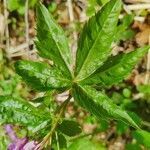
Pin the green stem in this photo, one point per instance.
(55, 122)
(57, 141)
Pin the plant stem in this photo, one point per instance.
(55, 122)
(57, 140)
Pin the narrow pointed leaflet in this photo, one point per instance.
(51, 41)
(95, 41)
(40, 76)
(98, 104)
(18, 111)
(116, 68)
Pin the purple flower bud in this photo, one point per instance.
(11, 146)
(19, 144)
(30, 145)
(11, 133)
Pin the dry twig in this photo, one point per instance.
(27, 26)
(71, 16)
(6, 29)
(138, 6)
(147, 77)
(137, 1)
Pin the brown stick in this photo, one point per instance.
(6, 29)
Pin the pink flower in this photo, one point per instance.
(19, 144)
(11, 133)
(30, 145)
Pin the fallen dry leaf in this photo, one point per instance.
(142, 37)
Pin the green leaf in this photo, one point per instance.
(127, 34)
(145, 89)
(103, 125)
(98, 104)
(91, 7)
(62, 141)
(90, 11)
(51, 41)
(116, 68)
(19, 5)
(13, 4)
(32, 3)
(123, 32)
(84, 143)
(137, 119)
(4, 143)
(127, 92)
(121, 128)
(70, 128)
(127, 20)
(40, 76)
(102, 2)
(132, 147)
(59, 142)
(18, 111)
(4, 140)
(96, 38)
(142, 137)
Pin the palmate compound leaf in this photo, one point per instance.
(98, 104)
(40, 76)
(95, 41)
(116, 68)
(51, 41)
(18, 111)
